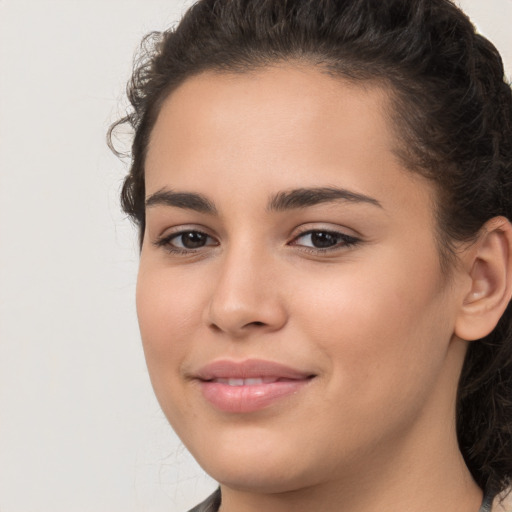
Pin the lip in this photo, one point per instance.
(250, 385)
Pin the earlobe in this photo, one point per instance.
(490, 271)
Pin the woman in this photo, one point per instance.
(323, 191)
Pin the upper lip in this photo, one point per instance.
(249, 369)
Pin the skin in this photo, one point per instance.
(375, 322)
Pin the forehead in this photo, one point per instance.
(295, 123)
(272, 106)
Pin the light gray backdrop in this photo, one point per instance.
(80, 430)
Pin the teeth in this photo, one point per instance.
(246, 382)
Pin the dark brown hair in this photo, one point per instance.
(452, 112)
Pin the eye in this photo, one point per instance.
(190, 240)
(322, 240)
(185, 241)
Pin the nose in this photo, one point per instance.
(246, 297)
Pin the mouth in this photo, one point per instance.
(250, 382)
(251, 385)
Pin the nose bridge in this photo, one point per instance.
(246, 294)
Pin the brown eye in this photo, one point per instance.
(185, 241)
(190, 240)
(323, 240)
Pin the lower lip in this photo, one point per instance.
(244, 399)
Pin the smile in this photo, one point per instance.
(246, 382)
(249, 386)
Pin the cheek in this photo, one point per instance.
(169, 308)
(386, 321)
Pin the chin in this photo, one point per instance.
(257, 465)
(260, 480)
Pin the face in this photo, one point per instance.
(295, 320)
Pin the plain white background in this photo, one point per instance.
(80, 430)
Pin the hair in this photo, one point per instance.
(452, 113)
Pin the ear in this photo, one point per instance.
(489, 264)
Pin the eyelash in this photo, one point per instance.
(166, 242)
(344, 241)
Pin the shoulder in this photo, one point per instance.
(503, 502)
(210, 504)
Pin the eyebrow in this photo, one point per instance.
(186, 200)
(282, 201)
(305, 197)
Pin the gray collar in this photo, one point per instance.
(212, 503)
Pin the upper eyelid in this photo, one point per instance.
(343, 234)
(312, 227)
(185, 228)
(167, 236)
(347, 240)
(176, 234)
(297, 232)
(165, 242)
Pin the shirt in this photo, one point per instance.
(489, 503)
